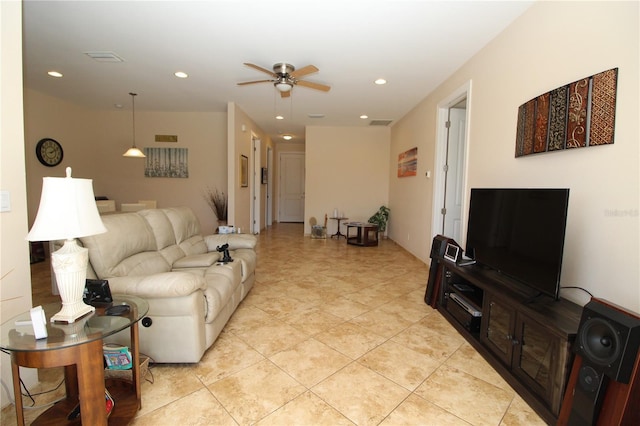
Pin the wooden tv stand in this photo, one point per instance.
(527, 340)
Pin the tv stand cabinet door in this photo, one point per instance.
(541, 360)
(497, 328)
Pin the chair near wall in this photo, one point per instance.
(106, 206)
(149, 204)
(131, 207)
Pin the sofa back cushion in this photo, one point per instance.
(186, 230)
(163, 232)
(128, 248)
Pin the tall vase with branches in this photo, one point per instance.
(217, 200)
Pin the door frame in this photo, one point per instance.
(442, 134)
(269, 203)
(256, 186)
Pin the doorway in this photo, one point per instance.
(291, 187)
(449, 207)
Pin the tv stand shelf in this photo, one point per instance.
(526, 339)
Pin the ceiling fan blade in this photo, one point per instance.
(256, 67)
(309, 69)
(254, 82)
(311, 85)
(285, 94)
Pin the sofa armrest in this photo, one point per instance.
(158, 286)
(235, 241)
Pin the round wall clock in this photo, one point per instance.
(49, 152)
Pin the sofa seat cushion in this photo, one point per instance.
(203, 261)
(223, 280)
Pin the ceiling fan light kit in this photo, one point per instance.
(284, 76)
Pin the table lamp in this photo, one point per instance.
(67, 211)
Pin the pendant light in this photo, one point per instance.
(134, 151)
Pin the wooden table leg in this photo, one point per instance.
(91, 383)
(17, 392)
(135, 353)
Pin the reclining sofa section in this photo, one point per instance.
(160, 255)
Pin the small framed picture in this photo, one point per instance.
(452, 252)
(264, 177)
(244, 171)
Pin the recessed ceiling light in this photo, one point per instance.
(119, 106)
(279, 117)
(181, 74)
(364, 117)
(55, 74)
(380, 81)
(287, 137)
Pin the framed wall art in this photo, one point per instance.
(244, 171)
(408, 163)
(166, 162)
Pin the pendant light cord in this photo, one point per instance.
(133, 113)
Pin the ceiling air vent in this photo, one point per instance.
(104, 56)
(380, 122)
(315, 115)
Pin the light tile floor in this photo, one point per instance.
(330, 334)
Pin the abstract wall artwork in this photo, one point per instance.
(408, 163)
(576, 115)
(166, 162)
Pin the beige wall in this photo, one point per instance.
(346, 168)
(94, 141)
(242, 129)
(15, 279)
(527, 59)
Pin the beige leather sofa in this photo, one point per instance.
(160, 255)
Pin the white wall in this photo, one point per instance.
(15, 278)
(526, 60)
(347, 169)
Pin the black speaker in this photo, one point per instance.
(439, 245)
(438, 248)
(607, 340)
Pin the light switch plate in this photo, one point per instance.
(5, 201)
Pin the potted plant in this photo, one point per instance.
(380, 218)
(217, 200)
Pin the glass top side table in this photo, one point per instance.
(78, 347)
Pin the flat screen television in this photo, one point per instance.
(520, 233)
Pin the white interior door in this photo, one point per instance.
(291, 185)
(454, 191)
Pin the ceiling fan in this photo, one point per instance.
(284, 76)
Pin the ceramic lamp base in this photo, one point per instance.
(70, 267)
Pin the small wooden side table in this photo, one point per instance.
(339, 234)
(366, 236)
(78, 348)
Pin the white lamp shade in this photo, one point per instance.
(134, 152)
(67, 210)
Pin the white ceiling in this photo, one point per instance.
(414, 45)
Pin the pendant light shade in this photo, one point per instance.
(134, 151)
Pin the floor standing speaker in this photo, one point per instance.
(438, 248)
(604, 385)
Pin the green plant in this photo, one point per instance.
(380, 218)
(217, 200)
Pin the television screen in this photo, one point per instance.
(520, 233)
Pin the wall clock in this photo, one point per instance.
(49, 152)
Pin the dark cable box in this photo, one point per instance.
(465, 312)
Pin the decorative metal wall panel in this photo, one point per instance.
(576, 115)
